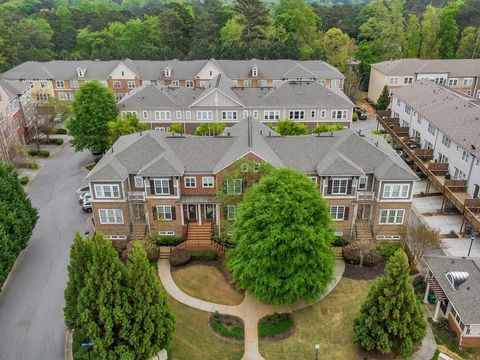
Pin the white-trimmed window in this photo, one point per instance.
(467, 82)
(146, 82)
(65, 95)
(442, 159)
(44, 84)
(125, 113)
(335, 83)
(204, 115)
(392, 216)
(164, 212)
(234, 187)
(427, 144)
(323, 114)
(296, 114)
(459, 174)
(203, 83)
(117, 84)
(466, 157)
(110, 216)
(446, 140)
(397, 191)
(254, 71)
(60, 84)
(168, 72)
(314, 179)
(244, 167)
(362, 183)
(145, 114)
(161, 186)
(131, 84)
(247, 83)
(256, 167)
(138, 180)
(312, 114)
(271, 114)
(175, 83)
(245, 114)
(262, 83)
(453, 82)
(229, 115)
(432, 129)
(166, 233)
(255, 114)
(74, 84)
(337, 212)
(208, 182)
(189, 83)
(231, 212)
(408, 80)
(190, 182)
(159, 128)
(179, 115)
(162, 115)
(339, 114)
(107, 191)
(392, 80)
(188, 114)
(339, 186)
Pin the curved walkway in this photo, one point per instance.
(250, 310)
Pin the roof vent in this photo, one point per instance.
(457, 278)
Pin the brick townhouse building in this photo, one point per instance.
(459, 74)
(439, 129)
(166, 184)
(16, 116)
(222, 100)
(63, 78)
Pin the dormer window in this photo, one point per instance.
(81, 72)
(254, 71)
(168, 72)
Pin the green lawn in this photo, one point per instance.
(328, 323)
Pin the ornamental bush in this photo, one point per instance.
(179, 257)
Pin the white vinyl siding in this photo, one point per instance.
(110, 216)
(107, 191)
(391, 216)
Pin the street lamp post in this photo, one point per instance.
(472, 237)
(317, 348)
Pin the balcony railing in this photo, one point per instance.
(365, 195)
(136, 196)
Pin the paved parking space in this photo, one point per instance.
(459, 247)
(428, 204)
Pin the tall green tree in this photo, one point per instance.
(290, 127)
(383, 101)
(78, 267)
(448, 30)
(151, 322)
(254, 17)
(94, 106)
(391, 318)
(430, 48)
(17, 219)
(283, 235)
(33, 40)
(337, 48)
(413, 37)
(469, 46)
(124, 125)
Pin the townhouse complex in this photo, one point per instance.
(439, 129)
(16, 117)
(460, 74)
(167, 184)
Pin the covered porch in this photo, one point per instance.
(199, 210)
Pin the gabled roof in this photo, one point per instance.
(453, 67)
(13, 88)
(299, 72)
(165, 164)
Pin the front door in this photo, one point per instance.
(138, 212)
(192, 212)
(209, 212)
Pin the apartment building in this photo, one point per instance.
(63, 78)
(221, 99)
(439, 128)
(162, 183)
(460, 74)
(16, 116)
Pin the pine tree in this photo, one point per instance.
(391, 317)
(383, 101)
(151, 322)
(80, 261)
(412, 37)
(102, 302)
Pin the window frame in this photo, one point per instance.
(117, 84)
(155, 187)
(111, 189)
(389, 216)
(339, 186)
(335, 213)
(446, 140)
(163, 115)
(230, 115)
(136, 181)
(190, 182)
(296, 114)
(360, 183)
(115, 214)
(343, 114)
(231, 212)
(201, 113)
(131, 84)
(189, 83)
(206, 182)
(271, 114)
(164, 213)
(234, 186)
(389, 191)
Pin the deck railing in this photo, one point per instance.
(365, 196)
(136, 196)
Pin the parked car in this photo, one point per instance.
(87, 205)
(361, 112)
(85, 195)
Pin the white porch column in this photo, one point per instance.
(181, 214)
(199, 208)
(427, 291)
(217, 214)
(437, 310)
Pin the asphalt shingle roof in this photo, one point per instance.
(13, 88)
(454, 67)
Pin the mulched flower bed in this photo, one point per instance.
(356, 272)
(276, 327)
(227, 327)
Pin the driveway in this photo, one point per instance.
(31, 315)
(366, 126)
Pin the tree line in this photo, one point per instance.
(143, 29)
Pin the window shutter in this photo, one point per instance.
(170, 185)
(152, 187)
(225, 213)
(174, 213)
(345, 216)
(154, 212)
(349, 187)
(329, 187)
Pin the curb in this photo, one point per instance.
(68, 345)
(15, 266)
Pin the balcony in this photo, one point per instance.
(455, 191)
(365, 196)
(472, 213)
(136, 196)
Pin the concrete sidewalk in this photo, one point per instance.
(250, 310)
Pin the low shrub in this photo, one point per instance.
(24, 180)
(179, 257)
(42, 153)
(371, 256)
(274, 325)
(60, 131)
(354, 116)
(56, 141)
(227, 326)
(340, 241)
(166, 240)
(203, 255)
(388, 249)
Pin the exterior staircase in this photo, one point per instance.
(138, 231)
(199, 236)
(363, 233)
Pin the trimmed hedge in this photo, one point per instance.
(339, 241)
(273, 325)
(60, 131)
(203, 255)
(56, 141)
(370, 258)
(41, 153)
(179, 257)
(388, 249)
(167, 240)
(227, 326)
(24, 180)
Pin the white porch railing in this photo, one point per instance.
(136, 196)
(365, 196)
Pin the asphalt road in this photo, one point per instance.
(31, 315)
(366, 125)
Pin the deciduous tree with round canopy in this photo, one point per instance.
(283, 236)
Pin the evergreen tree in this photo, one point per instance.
(448, 30)
(469, 47)
(253, 17)
(429, 48)
(151, 322)
(94, 106)
(290, 127)
(102, 305)
(412, 37)
(78, 267)
(283, 235)
(383, 101)
(391, 317)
